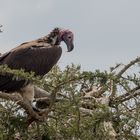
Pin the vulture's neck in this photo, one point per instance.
(52, 38)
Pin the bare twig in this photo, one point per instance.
(128, 66)
(127, 96)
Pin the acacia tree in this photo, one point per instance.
(75, 105)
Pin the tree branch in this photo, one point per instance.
(27, 107)
(127, 96)
(128, 66)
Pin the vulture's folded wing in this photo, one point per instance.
(32, 56)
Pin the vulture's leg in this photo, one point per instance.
(28, 95)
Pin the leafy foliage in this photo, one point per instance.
(90, 105)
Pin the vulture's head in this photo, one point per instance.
(58, 35)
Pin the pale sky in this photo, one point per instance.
(106, 31)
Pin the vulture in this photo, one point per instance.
(38, 56)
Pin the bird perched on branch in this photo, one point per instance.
(38, 56)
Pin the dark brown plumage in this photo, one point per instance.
(38, 56)
(33, 56)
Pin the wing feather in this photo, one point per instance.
(38, 57)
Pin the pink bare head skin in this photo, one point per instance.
(68, 37)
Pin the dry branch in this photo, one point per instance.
(128, 66)
(127, 96)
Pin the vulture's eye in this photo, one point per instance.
(69, 37)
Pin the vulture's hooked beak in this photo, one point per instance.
(70, 46)
(69, 43)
